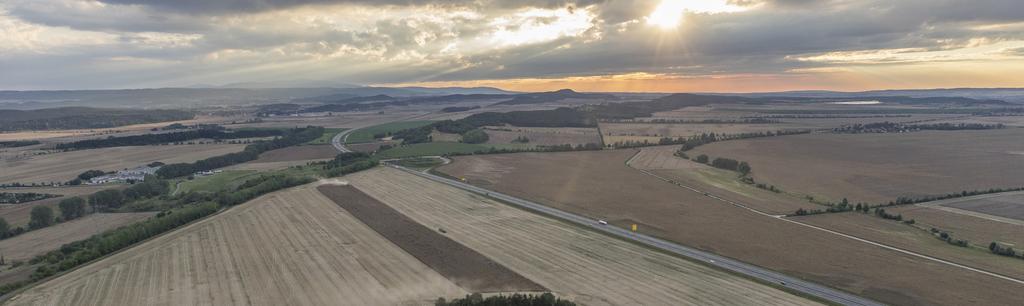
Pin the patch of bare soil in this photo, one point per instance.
(296, 153)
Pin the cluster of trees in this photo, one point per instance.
(948, 238)
(475, 136)
(162, 138)
(891, 127)
(18, 143)
(521, 139)
(22, 197)
(66, 118)
(477, 299)
(999, 249)
(346, 163)
(251, 152)
(752, 120)
(252, 188)
(731, 164)
(550, 148)
(456, 109)
(667, 103)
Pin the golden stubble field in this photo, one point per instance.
(293, 247)
(64, 166)
(573, 262)
(25, 246)
(600, 185)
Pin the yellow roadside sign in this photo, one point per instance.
(634, 227)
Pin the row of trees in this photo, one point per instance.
(22, 197)
(753, 120)
(18, 143)
(477, 299)
(162, 138)
(891, 127)
(251, 152)
(475, 136)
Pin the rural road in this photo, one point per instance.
(793, 283)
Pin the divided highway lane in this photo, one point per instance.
(338, 141)
(793, 283)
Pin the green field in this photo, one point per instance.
(442, 148)
(326, 137)
(366, 134)
(215, 182)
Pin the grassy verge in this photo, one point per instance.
(214, 182)
(326, 137)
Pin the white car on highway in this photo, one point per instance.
(602, 222)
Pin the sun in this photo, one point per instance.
(668, 14)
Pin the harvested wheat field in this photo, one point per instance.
(18, 214)
(598, 184)
(917, 238)
(575, 263)
(61, 167)
(661, 161)
(1009, 205)
(293, 247)
(32, 243)
(878, 168)
(978, 229)
(462, 265)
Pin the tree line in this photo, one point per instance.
(162, 138)
(67, 118)
(891, 127)
(251, 152)
(22, 197)
(753, 120)
(18, 143)
(517, 299)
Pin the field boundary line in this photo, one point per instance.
(855, 238)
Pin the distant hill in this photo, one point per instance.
(1012, 95)
(553, 96)
(83, 118)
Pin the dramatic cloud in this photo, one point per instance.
(670, 45)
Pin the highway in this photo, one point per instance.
(338, 141)
(793, 283)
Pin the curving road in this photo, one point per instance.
(793, 283)
(338, 141)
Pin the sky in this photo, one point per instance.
(526, 45)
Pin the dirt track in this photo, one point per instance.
(292, 247)
(582, 265)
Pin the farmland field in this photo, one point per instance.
(977, 230)
(213, 183)
(1006, 205)
(919, 240)
(366, 134)
(462, 265)
(661, 161)
(329, 133)
(573, 262)
(25, 246)
(685, 130)
(293, 247)
(18, 214)
(297, 153)
(600, 185)
(61, 167)
(543, 136)
(881, 167)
